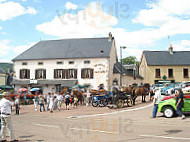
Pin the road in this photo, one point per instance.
(88, 124)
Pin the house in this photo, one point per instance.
(165, 66)
(54, 64)
(129, 77)
(3, 77)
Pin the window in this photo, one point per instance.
(24, 63)
(157, 73)
(72, 73)
(87, 73)
(170, 73)
(185, 73)
(60, 63)
(40, 63)
(65, 73)
(24, 74)
(71, 62)
(87, 62)
(40, 74)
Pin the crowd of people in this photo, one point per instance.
(54, 101)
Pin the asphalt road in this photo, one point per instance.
(131, 124)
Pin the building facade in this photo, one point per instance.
(54, 64)
(3, 77)
(165, 66)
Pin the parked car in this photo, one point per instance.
(168, 108)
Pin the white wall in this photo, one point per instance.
(100, 65)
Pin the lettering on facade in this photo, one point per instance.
(100, 68)
(33, 81)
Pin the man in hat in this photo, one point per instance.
(5, 106)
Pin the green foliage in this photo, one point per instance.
(5, 66)
(130, 60)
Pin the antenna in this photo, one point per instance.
(169, 40)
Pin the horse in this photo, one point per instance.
(79, 95)
(140, 91)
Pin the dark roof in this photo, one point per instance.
(165, 58)
(68, 49)
(65, 83)
(2, 71)
(117, 69)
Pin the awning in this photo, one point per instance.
(6, 87)
(65, 83)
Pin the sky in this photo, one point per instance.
(137, 24)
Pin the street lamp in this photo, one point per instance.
(121, 74)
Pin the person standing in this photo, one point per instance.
(5, 106)
(17, 105)
(67, 100)
(51, 103)
(48, 100)
(180, 103)
(36, 102)
(41, 102)
(156, 101)
(75, 101)
(88, 97)
(59, 99)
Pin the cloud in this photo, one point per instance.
(85, 23)
(183, 45)
(1, 28)
(9, 10)
(4, 47)
(70, 5)
(159, 20)
(21, 48)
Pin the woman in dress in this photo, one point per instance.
(51, 104)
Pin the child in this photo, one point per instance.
(75, 101)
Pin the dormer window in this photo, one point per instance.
(102, 51)
(24, 63)
(40, 63)
(71, 62)
(86, 62)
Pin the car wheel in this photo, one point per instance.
(168, 112)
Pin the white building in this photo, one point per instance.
(53, 64)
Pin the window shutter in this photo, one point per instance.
(82, 73)
(21, 74)
(63, 76)
(67, 74)
(91, 73)
(36, 72)
(28, 74)
(75, 74)
(44, 77)
(55, 73)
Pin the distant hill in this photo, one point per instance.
(5, 66)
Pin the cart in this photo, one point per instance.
(119, 99)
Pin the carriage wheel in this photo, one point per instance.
(94, 104)
(102, 103)
(120, 103)
(130, 102)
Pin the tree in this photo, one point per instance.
(130, 60)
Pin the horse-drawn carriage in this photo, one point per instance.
(100, 98)
(120, 98)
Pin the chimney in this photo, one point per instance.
(171, 49)
(110, 36)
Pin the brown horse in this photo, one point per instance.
(140, 91)
(79, 95)
(64, 90)
(127, 90)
